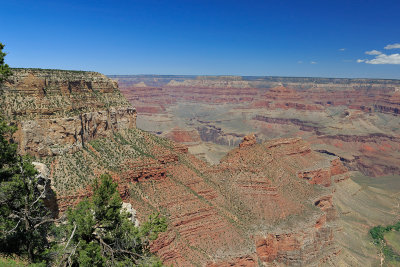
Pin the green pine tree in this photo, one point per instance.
(24, 220)
(99, 233)
(4, 68)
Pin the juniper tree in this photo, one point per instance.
(24, 220)
(4, 68)
(98, 232)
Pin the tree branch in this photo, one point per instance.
(42, 194)
(72, 235)
(46, 221)
(12, 230)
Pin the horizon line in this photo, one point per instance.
(217, 75)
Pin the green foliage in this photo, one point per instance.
(153, 226)
(4, 68)
(377, 234)
(397, 226)
(99, 233)
(107, 202)
(8, 152)
(24, 220)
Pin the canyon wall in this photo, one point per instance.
(60, 111)
(355, 119)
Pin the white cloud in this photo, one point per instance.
(299, 62)
(313, 62)
(373, 52)
(381, 58)
(342, 49)
(385, 59)
(392, 46)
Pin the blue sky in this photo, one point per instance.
(320, 38)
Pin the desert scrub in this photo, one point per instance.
(72, 171)
(112, 154)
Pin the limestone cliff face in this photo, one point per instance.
(60, 111)
(50, 137)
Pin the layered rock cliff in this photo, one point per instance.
(59, 112)
(355, 119)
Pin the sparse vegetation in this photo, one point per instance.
(112, 154)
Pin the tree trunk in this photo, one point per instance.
(28, 230)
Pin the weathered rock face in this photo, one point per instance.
(45, 185)
(216, 135)
(60, 111)
(248, 140)
(36, 93)
(299, 248)
(50, 137)
(127, 207)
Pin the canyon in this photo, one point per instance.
(355, 119)
(248, 171)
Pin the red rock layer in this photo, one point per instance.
(183, 136)
(216, 215)
(155, 99)
(359, 97)
(266, 196)
(323, 176)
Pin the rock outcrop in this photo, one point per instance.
(311, 242)
(60, 111)
(45, 185)
(127, 207)
(50, 137)
(248, 140)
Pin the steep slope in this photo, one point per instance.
(255, 205)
